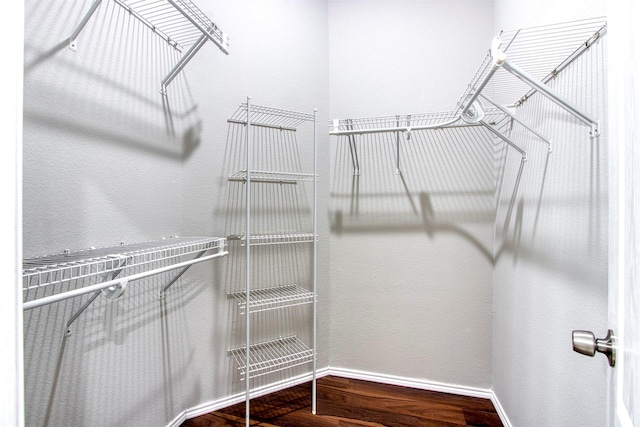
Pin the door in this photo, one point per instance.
(624, 269)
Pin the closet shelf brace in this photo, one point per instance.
(179, 22)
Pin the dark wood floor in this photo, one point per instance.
(349, 403)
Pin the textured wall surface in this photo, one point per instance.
(108, 159)
(551, 253)
(411, 254)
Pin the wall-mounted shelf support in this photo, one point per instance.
(72, 40)
(553, 96)
(165, 288)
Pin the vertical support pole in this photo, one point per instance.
(315, 258)
(248, 265)
(353, 150)
(398, 146)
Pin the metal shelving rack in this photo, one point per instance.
(109, 270)
(179, 22)
(257, 359)
(540, 53)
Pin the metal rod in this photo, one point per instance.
(175, 279)
(398, 143)
(184, 60)
(197, 25)
(315, 258)
(353, 149)
(77, 314)
(99, 286)
(476, 93)
(549, 93)
(504, 138)
(242, 122)
(248, 265)
(513, 117)
(84, 21)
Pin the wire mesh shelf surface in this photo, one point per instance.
(46, 275)
(271, 117)
(542, 51)
(272, 298)
(180, 22)
(391, 122)
(272, 177)
(271, 356)
(273, 239)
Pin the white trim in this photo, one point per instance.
(215, 405)
(500, 410)
(484, 393)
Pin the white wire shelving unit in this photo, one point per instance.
(108, 271)
(519, 64)
(179, 22)
(262, 358)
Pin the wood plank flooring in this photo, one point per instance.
(354, 403)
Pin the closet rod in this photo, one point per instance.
(115, 282)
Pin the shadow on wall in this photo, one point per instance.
(435, 182)
(119, 355)
(107, 90)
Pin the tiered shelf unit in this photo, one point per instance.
(256, 359)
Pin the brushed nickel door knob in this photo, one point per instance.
(585, 342)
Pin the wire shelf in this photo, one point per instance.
(272, 298)
(271, 356)
(391, 123)
(542, 51)
(51, 276)
(270, 117)
(272, 177)
(180, 22)
(273, 239)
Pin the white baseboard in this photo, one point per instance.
(218, 404)
(411, 382)
(500, 410)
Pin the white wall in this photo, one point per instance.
(551, 258)
(11, 367)
(411, 263)
(106, 161)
